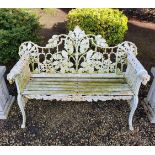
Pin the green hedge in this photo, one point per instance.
(16, 26)
(110, 23)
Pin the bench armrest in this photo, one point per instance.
(20, 73)
(135, 73)
(139, 69)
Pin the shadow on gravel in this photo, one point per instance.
(144, 37)
(142, 14)
(66, 10)
(58, 28)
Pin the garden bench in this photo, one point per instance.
(78, 67)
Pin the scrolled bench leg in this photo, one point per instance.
(21, 104)
(134, 103)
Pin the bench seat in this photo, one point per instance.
(77, 86)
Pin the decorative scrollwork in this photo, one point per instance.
(96, 62)
(77, 53)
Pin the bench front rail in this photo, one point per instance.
(78, 67)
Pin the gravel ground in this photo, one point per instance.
(76, 123)
(83, 123)
(143, 14)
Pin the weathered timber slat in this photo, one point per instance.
(50, 92)
(119, 80)
(86, 86)
(79, 85)
(58, 92)
(45, 75)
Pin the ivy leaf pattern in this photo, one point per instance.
(77, 53)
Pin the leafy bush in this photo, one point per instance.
(110, 23)
(16, 26)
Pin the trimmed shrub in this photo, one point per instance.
(110, 23)
(16, 26)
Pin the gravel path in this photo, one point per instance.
(82, 123)
(76, 123)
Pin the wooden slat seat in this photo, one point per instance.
(80, 85)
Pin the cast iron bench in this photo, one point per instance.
(78, 67)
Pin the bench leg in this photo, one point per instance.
(21, 104)
(134, 103)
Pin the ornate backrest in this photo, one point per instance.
(77, 53)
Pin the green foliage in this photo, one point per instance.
(110, 23)
(16, 26)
